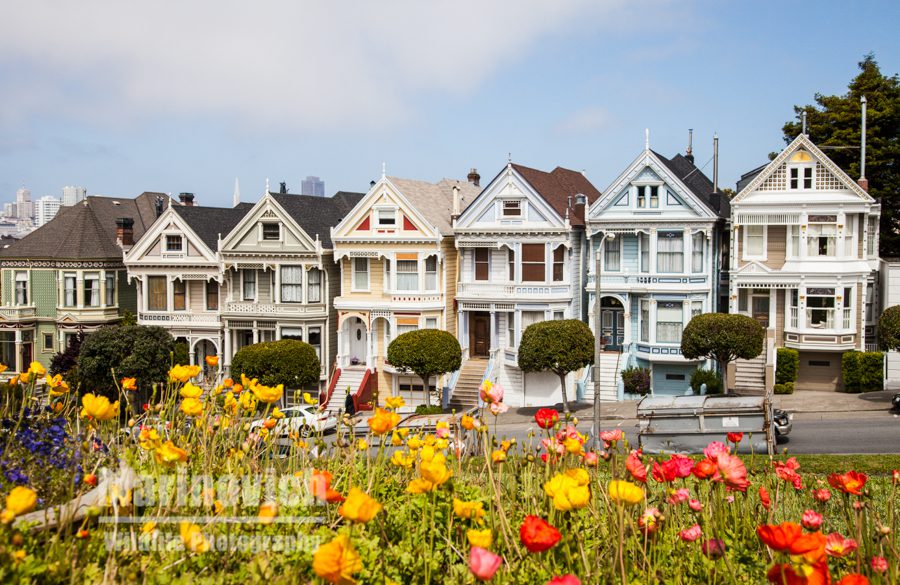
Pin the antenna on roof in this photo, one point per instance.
(803, 122)
(716, 162)
(863, 182)
(267, 184)
(689, 155)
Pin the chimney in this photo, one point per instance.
(715, 163)
(863, 181)
(474, 177)
(187, 199)
(282, 188)
(160, 205)
(689, 155)
(371, 183)
(125, 231)
(456, 202)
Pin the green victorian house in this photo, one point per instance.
(68, 276)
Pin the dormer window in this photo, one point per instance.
(648, 196)
(800, 172)
(271, 232)
(512, 208)
(386, 218)
(173, 244)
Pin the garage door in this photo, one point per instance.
(819, 371)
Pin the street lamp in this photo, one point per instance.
(598, 334)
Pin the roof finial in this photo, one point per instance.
(646, 138)
(509, 158)
(267, 184)
(383, 170)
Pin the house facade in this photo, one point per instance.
(658, 231)
(398, 266)
(804, 254)
(522, 248)
(67, 277)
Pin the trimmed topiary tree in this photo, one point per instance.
(426, 353)
(889, 329)
(787, 366)
(560, 346)
(723, 338)
(290, 362)
(134, 351)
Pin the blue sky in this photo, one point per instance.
(174, 96)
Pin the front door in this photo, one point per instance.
(357, 341)
(480, 338)
(612, 324)
(759, 305)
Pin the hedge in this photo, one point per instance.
(786, 388)
(788, 365)
(862, 371)
(288, 361)
(636, 380)
(709, 377)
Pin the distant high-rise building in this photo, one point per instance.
(24, 207)
(9, 210)
(46, 209)
(73, 195)
(312, 186)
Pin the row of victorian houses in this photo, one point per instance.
(795, 248)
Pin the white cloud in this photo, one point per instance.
(584, 121)
(298, 65)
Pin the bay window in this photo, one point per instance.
(669, 321)
(645, 320)
(91, 289)
(644, 245)
(110, 289)
(70, 290)
(820, 304)
(314, 285)
(21, 288)
(248, 282)
(559, 260)
(821, 235)
(212, 296)
(179, 295)
(612, 254)
(755, 241)
(670, 251)
(291, 284)
(361, 274)
(431, 275)
(698, 240)
(482, 263)
(407, 275)
(157, 295)
(530, 318)
(696, 308)
(533, 263)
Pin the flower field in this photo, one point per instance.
(209, 497)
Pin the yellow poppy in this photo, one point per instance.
(193, 538)
(268, 394)
(20, 500)
(98, 407)
(192, 407)
(191, 391)
(383, 421)
(182, 374)
(129, 384)
(212, 361)
(336, 561)
(359, 507)
(168, 453)
(481, 538)
(394, 402)
(625, 492)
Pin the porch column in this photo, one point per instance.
(652, 331)
(493, 330)
(626, 316)
(255, 333)
(226, 342)
(370, 344)
(652, 251)
(18, 342)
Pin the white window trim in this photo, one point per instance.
(353, 287)
(376, 212)
(800, 166)
(164, 245)
(280, 239)
(647, 184)
(765, 246)
(519, 216)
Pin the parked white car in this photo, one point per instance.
(304, 420)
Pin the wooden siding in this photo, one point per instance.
(450, 277)
(777, 245)
(780, 310)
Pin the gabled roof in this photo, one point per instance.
(557, 186)
(87, 230)
(211, 222)
(435, 200)
(698, 183)
(317, 215)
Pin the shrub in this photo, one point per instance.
(788, 365)
(850, 371)
(636, 380)
(862, 371)
(889, 328)
(559, 346)
(709, 377)
(66, 361)
(426, 353)
(181, 353)
(290, 362)
(424, 409)
(723, 338)
(133, 351)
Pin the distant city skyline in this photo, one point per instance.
(572, 84)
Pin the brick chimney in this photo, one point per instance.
(474, 177)
(187, 199)
(125, 231)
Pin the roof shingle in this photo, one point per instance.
(557, 186)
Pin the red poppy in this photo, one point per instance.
(569, 579)
(788, 472)
(784, 574)
(735, 437)
(705, 468)
(635, 467)
(320, 487)
(537, 534)
(546, 418)
(853, 579)
(764, 497)
(851, 482)
(789, 537)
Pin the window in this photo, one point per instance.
(696, 308)
(821, 238)
(248, 285)
(820, 304)
(387, 275)
(871, 233)
(360, 274)
(512, 208)
(315, 339)
(406, 327)
(386, 218)
(407, 275)
(157, 296)
(870, 303)
(533, 263)
(793, 310)
(670, 256)
(849, 225)
(530, 318)
(511, 261)
(110, 289)
(271, 232)
(848, 307)
(801, 178)
(48, 342)
(755, 241)
(645, 320)
(431, 323)
(669, 316)
(654, 196)
(70, 290)
(641, 197)
(644, 244)
(212, 296)
(510, 330)
(482, 263)
(698, 241)
(173, 244)
(559, 315)
(612, 254)
(314, 286)
(431, 281)
(291, 284)
(179, 295)
(21, 288)
(559, 261)
(678, 377)
(91, 289)
(292, 333)
(793, 243)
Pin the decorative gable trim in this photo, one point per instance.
(509, 185)
(384, 194)
(268, 208)
(169, 222)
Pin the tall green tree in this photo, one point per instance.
(833, 122)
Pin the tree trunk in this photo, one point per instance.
(723, 370)
(562, 382)
(427, 391)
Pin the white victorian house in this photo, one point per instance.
(521, 249)
(805, 259)
(658, 229)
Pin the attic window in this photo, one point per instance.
(271, 232)
(173, 244)
(386, 217)
(801, 177)
(647, 196)
(512, 208)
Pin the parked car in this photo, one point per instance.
(784, 421)
(895, 402)
(304, 420)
